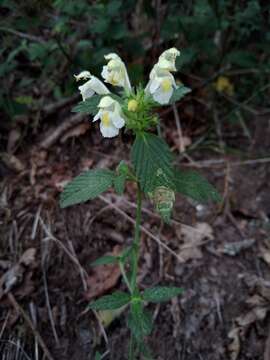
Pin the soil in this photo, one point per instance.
(223, 311)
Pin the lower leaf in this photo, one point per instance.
(110, 302)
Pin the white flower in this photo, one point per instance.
(84, 75)
(167, 59)
(110, 116)
(161, 85)
(115, 72)
(92, 86)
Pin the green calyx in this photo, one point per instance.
(138, 111)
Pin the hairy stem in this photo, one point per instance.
(136, 242)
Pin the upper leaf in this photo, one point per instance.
(160, 293)
(152, 158)
(89, 106)
(119, 183)
(195, 186)
(179, 93)
(139, 321)
(105, 260)
(111, 302)
(86, 186)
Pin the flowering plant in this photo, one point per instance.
(152, 170)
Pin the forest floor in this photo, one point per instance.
(220, 254)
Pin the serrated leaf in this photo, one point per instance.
(152, 158)
(139, 321)
(86, 186)
(195, 186)
(179, 93)
(119, 183)
(104, 260)
(89, 106)
(160, 293)
(111, 302)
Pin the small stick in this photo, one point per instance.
(81, 270)
(50, 236)
(20, 310)
(143, 229)
(35, 224)
(52, 136)
(48, 304)
(179, 129)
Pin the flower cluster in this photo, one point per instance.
(160, 88)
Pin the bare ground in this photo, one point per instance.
(223, 312)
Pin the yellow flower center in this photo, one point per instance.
(132, 105)
(166, 85)
(105, 118)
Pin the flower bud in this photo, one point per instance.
(132, 105)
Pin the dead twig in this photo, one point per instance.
(26, 318)
(143, 229)
(219, 162)
(50, 236)
(181, 147)
(53, 135)
(56, 106)
(23, 35)
(81, 270)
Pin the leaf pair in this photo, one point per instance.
(119, 298)
(152, 161)
(110, 259)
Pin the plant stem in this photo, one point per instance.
(136, 242)
(123, 272)
(131, 352)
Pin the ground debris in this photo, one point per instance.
(193, 238)
(15, 275)
(259, 306)
(234, 248)
(103, 277)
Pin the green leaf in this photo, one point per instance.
(104, 260)
(98, 356)
(126, 254)
(139, 321)
(113, 7)
(179, 93)
(160, 293)
(119, 183)
(111, 302)
(152, 158)
(89, 106)
(195, 186)
(86, 186)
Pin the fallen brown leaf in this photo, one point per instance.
(192, 239)
(15, 275)
(235, 345)
(12, 162)
(103, 277)
(259, 307)
(76, 131)
(13, 138)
